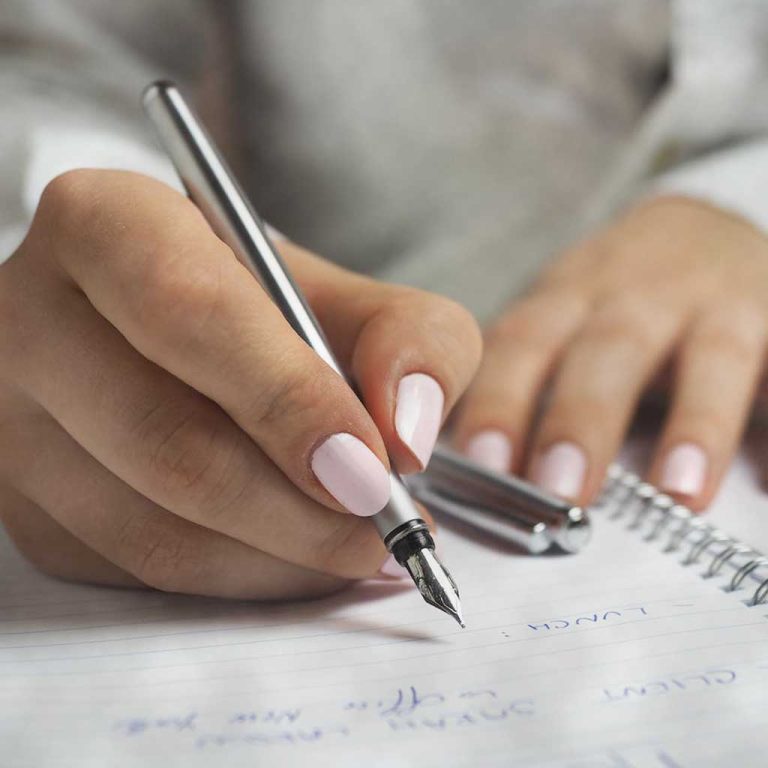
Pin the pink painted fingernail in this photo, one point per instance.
(492, 449)
(351, 473)
(392, 569)
(561, 470)
(419, 414)
(685, 470)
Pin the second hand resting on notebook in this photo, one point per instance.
(673, 280)
(163, 424)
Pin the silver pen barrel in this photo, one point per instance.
(215, 191)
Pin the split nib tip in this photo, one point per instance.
(435, 583)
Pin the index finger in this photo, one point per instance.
(150, 264)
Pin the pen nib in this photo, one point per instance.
(435, 583)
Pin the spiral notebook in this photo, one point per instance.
(648, 649)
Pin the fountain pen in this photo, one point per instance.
(213, 188)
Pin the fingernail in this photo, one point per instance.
(419, 414)
(561, 470)
(685, 470)
(392, 569)
(492, 449)
(351, 473)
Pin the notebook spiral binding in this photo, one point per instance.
(645, 509)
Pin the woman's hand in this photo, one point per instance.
(672, 279)
(160, 423)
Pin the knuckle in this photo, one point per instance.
(457, 328)
(179, 295)
(194, 457)
(156, 554)
(513, 334)
(538, 321)
(446, 313)
(295, 394)
(739, 336)
(584, 410)
(623, 324)
(66, 188)
(70, 200)
(518, 324)
(450, 331)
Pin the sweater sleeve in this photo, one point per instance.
(716, 120)
(735, 180)
(70, 99)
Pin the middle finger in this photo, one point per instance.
(595, 392)
(160, 549)
(180, 449)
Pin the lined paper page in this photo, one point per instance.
(615, 658)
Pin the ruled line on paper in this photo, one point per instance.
(562, 670)
(455, 633)
(523, 658)
(242, 606)
(448, 651)
(747, 689)
(597, 726)
(500, 560)
(604, 756)
(76, 681)
(586, 730)
(167, 598)
(258, 625)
